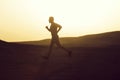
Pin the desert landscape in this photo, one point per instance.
(94, 57)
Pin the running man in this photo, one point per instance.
(54, 29)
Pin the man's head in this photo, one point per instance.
(51, 19)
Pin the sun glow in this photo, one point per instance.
(26, 19)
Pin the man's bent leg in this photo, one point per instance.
(60, 46)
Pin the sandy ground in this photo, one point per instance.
(27, 63)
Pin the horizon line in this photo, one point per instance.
(61, 37)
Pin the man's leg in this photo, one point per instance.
(49, 50)
(60, 46)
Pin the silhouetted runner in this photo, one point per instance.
(54, 29)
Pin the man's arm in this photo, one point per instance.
(59, 27)
(47, 28)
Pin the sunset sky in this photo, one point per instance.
(25, 20)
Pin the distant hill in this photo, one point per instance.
(2, 42)
(93, 40)
(4, 46)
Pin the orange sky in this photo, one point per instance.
(25, 20)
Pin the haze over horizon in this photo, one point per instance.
(25, 20)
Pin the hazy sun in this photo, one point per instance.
(78, 17)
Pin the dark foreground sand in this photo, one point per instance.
(25, 62)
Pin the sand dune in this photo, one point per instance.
(93, 40)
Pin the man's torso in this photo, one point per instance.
(53, 28)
